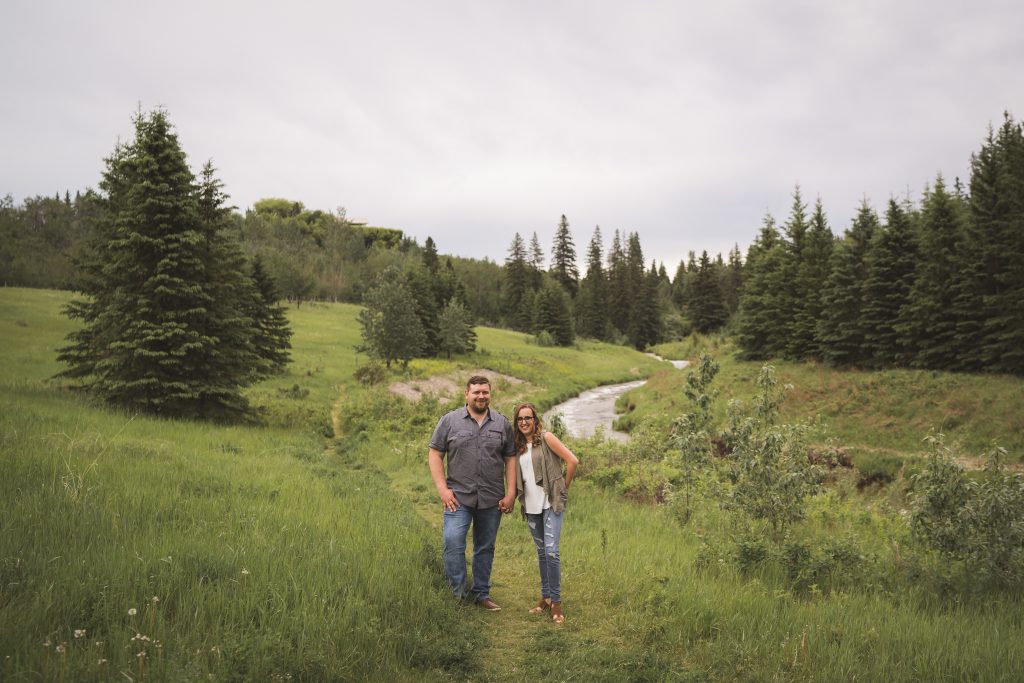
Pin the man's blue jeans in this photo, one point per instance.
(485, 523)
(546, 529)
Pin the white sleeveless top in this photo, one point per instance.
(534, 499)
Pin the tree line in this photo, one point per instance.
(937, 286)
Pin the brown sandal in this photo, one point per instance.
(556, 613)
(542, 606)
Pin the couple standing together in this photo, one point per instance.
(490, 461)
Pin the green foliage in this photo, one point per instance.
(976, 522)
(552, 313)
(371, 373)
(390, 326)
(692, 432)
(874, 468)
(455, 329)
(772, 475)
(168, 322)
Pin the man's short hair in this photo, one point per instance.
(477, 379)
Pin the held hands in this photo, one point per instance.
(507, 504)
(448, 499)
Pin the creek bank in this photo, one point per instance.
(595, 407)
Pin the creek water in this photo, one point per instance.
(595, 407)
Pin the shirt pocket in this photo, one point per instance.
(459, 439)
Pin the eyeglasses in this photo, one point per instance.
(525, 418)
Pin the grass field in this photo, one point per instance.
(134, 548)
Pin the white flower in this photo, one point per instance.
(101, 662)
(132, 612)
(61, 648)
(79, 633)
(155, 599)
(245, 572)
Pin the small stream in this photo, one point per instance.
(595, 407)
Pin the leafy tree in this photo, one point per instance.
(841, 329)
(772, 473)
(165, 325)
(391, 329)
(707, 312)
(563, 259)
(455, 329)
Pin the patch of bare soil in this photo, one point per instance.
(449, 385)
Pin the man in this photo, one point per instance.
(480, 447)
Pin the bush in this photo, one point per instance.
(977, 522)
(371, 374)
(880, 468)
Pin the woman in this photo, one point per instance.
(543, 493)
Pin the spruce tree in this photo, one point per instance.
(272, 338)
(620, 293)
(932, 315)
(761, 319)
(732, 280)
(708, 312)
(796, 338)
(563, 259)
(890, 261)
(421, 286)
(430, 255)
(841, 330)
(165, 326)
(592, 302)
(517, 286)
(553, 314)
(990, 317)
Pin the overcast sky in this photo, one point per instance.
(469, 121)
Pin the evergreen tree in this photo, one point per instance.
(421, 287)
(455, 329)
(796, 339)
(273, 335)
(620, 293)
(890, 262)
(647, 322)
(732, 280)
(563, 259)
(391, 329)
(553, 314)
(841, 330)
(517, 285)
(592, 302)
(761, 319)
(430, 255)
(990, 317)
(678, 284)
(932, 315)
(165, 327)
(811, 270)
(708, 312)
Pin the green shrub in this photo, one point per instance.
(874, 468)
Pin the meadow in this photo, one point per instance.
(307, 547)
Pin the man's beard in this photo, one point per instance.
(475, 407)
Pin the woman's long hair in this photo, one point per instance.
(520, 438)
